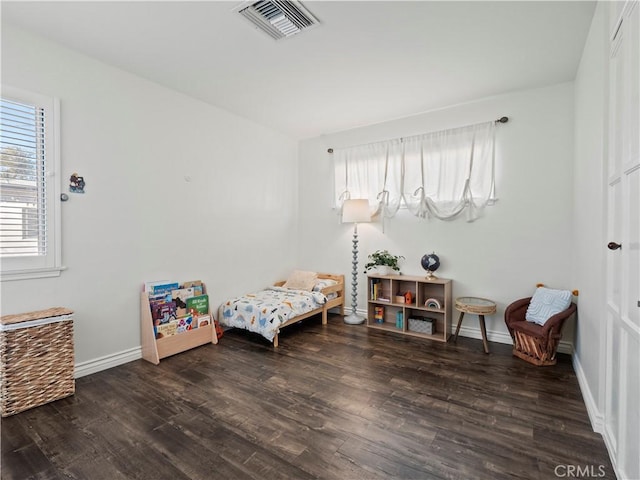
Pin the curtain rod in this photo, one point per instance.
(500, 120)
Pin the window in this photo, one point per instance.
(439, 174)
(30, 223)
(29, 185)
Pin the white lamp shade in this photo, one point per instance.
(356, 211)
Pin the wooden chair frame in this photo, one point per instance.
(536, 344)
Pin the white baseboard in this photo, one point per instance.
(504, 337)
(119, 358)
(595, 415)
(108, 361)
(493, 336)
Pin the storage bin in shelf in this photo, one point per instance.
(426, 325)
(427, 322)
(153, 350)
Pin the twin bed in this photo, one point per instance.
(303, 295)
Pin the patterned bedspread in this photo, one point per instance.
(263, 312)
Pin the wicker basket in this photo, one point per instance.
(36, 359)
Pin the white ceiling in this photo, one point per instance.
(368, 61)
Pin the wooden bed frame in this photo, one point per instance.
(338, 301)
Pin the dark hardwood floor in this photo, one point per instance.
(339, 402)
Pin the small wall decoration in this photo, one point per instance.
(76, 183)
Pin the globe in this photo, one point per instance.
(430, 262)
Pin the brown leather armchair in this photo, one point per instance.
(536, 344)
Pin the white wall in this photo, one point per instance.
(134, 142)
(524, 239)
(589, 200)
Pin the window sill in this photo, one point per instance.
(31, 274)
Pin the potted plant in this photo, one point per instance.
(383, 262)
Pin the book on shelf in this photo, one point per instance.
(204, 320)
(196, 285)
(198, 305)
(148, 286)
(159, 298)
(155, 288)
(374, 288)
(166, 329)
(175, 327)
(180, 296)
(164, 312)
(185, 323)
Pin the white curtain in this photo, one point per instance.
(372, 171)
(438, 174)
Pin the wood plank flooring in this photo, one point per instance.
(335, 402)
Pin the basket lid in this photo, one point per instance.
(36, 315)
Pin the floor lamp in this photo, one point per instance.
(355, 211)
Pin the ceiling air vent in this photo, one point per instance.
(278, 18)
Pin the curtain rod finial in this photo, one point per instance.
(502, 120)
(330, 150)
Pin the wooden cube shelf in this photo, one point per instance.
(430, 308)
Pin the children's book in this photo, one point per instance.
(184, 324)
(374, 288)
(204, 320)
(181, 295)
(167, 329)
(163, 312)
(148, 286)
(196, 285)
(157, 288)
(160, 298)
(198, 305)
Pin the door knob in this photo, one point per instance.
(613, 246)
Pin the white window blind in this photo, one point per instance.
(23, 213)
(29, 210)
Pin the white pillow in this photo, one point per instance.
(324, 283)
(545, 303)
(301, 280)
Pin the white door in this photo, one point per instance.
(622, 357)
